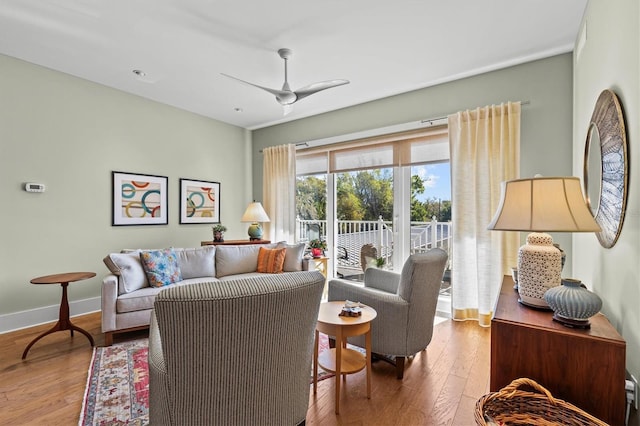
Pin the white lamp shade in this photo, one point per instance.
(255, 213)
(543, 204)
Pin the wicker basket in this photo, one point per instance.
(511, 406)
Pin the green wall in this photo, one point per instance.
(70, 134)
(609, 58)
(546, 132)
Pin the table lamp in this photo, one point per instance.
(255, 213)
(540, 205)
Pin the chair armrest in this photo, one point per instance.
(156, 356)
(306, 265)
(387, 305)
(160, 411)
(108, 302)
(348, 290)
(382, 280)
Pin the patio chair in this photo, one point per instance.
(342, 255)
(367, 252)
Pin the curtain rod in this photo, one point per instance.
(380, 131)
(297, 144)
(431, 120)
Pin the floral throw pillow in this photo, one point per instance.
(161, 267)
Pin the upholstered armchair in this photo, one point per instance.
(234, 352)
(405, 303)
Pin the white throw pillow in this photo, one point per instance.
(129, 269)
(293, 256)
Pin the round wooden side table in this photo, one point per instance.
(342, 360)
(64, 323)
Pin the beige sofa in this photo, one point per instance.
(127, 297)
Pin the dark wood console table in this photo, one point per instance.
(583, 367)
(233, 242)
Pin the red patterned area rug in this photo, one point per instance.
(117, 391)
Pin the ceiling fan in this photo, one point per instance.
(287, 97)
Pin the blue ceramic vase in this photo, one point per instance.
(572, 303)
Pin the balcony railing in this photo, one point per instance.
(353, 234)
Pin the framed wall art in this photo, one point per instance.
(139, 199)
(199, 201)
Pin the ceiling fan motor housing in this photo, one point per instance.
(285, 53)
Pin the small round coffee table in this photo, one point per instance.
(64, 323)
(342, 360)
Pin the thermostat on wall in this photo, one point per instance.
(34, 187)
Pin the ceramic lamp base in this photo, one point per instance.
(539, 269)
(255, 231)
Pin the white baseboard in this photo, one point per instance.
(37, 316)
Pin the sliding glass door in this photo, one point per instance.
(376, 202)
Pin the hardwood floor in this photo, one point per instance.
(440, 387)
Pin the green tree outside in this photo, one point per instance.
(365, 195)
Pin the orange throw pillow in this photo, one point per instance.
(271, 261)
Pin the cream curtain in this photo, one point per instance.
(485, 150)
(279, 192)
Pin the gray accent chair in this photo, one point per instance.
(234, 352)
(405, 303)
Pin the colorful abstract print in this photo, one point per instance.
(140, 199)
(201, 201)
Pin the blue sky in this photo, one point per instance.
(437, 180)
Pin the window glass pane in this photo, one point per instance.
(431, 192)
(311, 197)
(362, 198)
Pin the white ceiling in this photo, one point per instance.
(383, 47)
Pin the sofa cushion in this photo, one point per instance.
(161, 267)
(231, 260)
(197, 262)
(143, 299)
(293, 257)
(271, 261)
(138, 300)
(128, 268)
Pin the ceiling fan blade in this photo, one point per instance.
(275, 92)
(316, 87)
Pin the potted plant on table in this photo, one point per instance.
(317, 247)
(218, 232)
